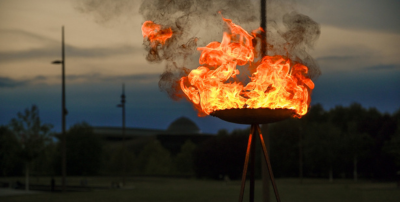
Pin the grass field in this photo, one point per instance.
(184, 190)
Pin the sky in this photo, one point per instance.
(357, 51)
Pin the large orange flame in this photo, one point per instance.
(276, 83)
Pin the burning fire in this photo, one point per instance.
(275, 81)
(155, 34)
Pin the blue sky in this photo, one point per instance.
(358, 53)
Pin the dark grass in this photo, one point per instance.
(180, 190)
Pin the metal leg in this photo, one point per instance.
(252, 165)
(271, 175)
(246, 162)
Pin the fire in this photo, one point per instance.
(276, 82)
(155, 34)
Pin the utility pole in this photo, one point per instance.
(64, 112)
(122, 105)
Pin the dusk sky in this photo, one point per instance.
(358, 52)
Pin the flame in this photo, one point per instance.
(155, 34)
(276, 82)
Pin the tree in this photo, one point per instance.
(32, 136)
(322, 147)
(84, 150)
(154, 159)
(10, 163)
(356, 144)
(44, 164)
(316, 114)
(222, 155)
(184, 160)
(392, 147)
(115, 156)
(284, 143)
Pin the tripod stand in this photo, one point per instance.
(250, 153)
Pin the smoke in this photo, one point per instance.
(292, 34)
(105, 11)
(195, 23)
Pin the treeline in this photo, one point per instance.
(88, 155)
(343, 142)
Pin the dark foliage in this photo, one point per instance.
(284, 148)
(221, 156)
(84, 151)
(31, 134)
(354, 140)
(10, 163)
(344, 142)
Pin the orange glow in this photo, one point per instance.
(155, 34)
(275, 83)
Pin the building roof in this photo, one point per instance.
(183, 125)
(128, 131)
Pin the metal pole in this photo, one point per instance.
(246, 162)
(271, 175)
(123, 132)
(122, 105)
(123, 110)
(63, 112)
(252, 164)
(263, 25)
(300, 157)
(264, 168)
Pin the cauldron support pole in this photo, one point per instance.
(252, 164)
(271, 175)
(246, 162)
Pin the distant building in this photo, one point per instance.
(178, 132)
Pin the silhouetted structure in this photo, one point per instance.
(122, 105)
(178, 132)
(64, 111)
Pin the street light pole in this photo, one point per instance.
(63, 113)
(122, 105)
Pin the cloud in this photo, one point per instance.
(384, 67)
(37, 46)
(9, 35)
(380, 15)
(137, 78)
(70, 51)
(6, 82)
(336, 58)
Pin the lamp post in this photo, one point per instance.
(122, 105)
(63, 112)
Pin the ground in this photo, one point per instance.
(184, 190)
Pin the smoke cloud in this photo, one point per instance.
(196, 23)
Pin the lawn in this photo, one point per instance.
(183, 190)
